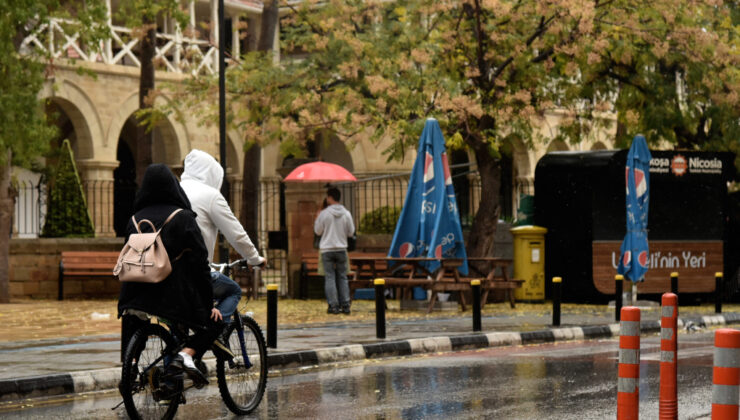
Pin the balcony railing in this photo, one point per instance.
(174, 53)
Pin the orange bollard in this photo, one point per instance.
(726, 375)
(668, 405)
(628, 393)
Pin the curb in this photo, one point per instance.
(107, 379)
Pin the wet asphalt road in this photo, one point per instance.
(563, 380)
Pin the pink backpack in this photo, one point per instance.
(143, 258)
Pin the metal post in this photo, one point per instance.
(668, 401)
(475, 287)
(556, 295)
(618, 281)
(674, 283)
(272, 302)
(379, 308)
(718, 292)
(223, 250)
(628, 381)
(726, 374)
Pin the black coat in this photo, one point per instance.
(185, 295)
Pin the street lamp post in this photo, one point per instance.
(223, 250)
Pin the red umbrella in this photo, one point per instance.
(319, 172)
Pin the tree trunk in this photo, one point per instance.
(269, 25)
(481, 239)
(250, 192)
(144, 137)
(252, 157)
(6, 208)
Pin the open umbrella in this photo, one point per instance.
(429, 225)
(319, 172)
(634, 251)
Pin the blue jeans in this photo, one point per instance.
(226, 293)
(335, 278)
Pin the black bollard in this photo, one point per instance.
(475, 287)
(718, 292)
(379, 308)
(556, 283)
(272, 302)
(674, 283)
(618, 281)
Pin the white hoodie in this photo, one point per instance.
(334, 224)
(201, 180)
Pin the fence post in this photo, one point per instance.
(726, 374)
(556, 295)
(618, 281)
(718, 292)
(628, 381)
(272, 302)
(475, 287)
(668, 404)
(674, 283)
(379, 308)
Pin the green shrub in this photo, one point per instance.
(66, 209)
(381, 220)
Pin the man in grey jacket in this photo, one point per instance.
(335, 225)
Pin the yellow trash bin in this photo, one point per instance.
(529, 262)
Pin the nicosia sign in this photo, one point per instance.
(695, 261)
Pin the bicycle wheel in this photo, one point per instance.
(147, 393)
(241, 386)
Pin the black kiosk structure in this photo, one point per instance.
(580, 199)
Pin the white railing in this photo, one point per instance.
(173, 52)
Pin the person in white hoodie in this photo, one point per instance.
(201, 179)
(335, 225)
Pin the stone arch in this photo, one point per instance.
(234, 154)
(557, 146)
(176, 140)
(80, 110)
(598, 146)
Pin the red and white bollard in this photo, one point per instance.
(726, 374)
(668, 405)
(628, 393)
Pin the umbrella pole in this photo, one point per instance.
(627, 293)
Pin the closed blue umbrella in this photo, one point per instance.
(429, 225)
(633, 262)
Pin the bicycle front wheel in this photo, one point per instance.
(147, 392)
(242, 382)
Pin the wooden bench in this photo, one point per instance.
(357, 262)
(86, 264)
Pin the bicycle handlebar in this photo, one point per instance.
(242, 263)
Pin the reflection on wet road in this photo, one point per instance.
(549, 381)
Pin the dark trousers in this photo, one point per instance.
(200, 341)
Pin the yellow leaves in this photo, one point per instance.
(377, 84)
(632, 118)
(660, 49)
(420, 56)
(401, 13)
(455, 141)
(593, 58)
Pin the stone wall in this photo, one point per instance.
(34, 268)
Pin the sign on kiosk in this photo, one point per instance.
(695, 261)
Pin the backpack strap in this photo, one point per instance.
(169, 218)
(133, 219)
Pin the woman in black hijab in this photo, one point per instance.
(185, 296)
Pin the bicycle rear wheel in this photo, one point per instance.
(147, 392)
(241, 386)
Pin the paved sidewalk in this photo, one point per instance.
(53, 366)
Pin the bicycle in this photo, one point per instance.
(149, 392)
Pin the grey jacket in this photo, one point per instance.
(334, 224)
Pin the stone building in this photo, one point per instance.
(97, 115)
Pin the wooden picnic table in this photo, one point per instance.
(445, 279)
